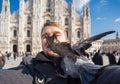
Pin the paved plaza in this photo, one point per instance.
(12, 63)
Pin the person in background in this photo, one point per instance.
(97, 58)
(119, 59)
(116, 54)
(112, 59)
(15, 55)
(2, 60)
(7, 55)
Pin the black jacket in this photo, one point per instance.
(39, 70)
(97, 59)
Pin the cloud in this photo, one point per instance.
(117, 20)
(100, 18)
(79, 4)
(103, 2)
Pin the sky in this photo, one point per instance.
(105, 14)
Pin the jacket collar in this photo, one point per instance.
(42, 57)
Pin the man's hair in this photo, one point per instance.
(55, 24)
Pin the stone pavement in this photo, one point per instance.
(12, 63)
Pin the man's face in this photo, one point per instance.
(50, 30)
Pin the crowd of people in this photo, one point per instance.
(102, 58)
(45, 68)
(11, 55)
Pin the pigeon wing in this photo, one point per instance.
(85, 44)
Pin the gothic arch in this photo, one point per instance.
(28, 32)
(78, 33)
(13, 27)
(15, 48)
(28, 48)
(14, 33)
(66, 21)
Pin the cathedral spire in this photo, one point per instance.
(86, 22)
(6, 1)
(72, 7)
(22, 3)
(21, 7)
(72, 22)
(73, 4)
(6, 7)
(86, 11)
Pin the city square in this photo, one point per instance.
(59, 42)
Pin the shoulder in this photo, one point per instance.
(110, 72)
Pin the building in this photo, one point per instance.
(111, 45)
(96, 45)
(20, 31)
(107, 46)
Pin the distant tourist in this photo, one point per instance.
(15, 55)
(2, 60)
(7, 55)
(97, 58)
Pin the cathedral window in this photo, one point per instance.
(48, 5)
(15, 33)
(48, 9)
(28, 33)
(47, 21)
(5, 8)
(66, 21)
(28, 48)
(15, 48)
(67, 32)
(78, 34)
(28, 20)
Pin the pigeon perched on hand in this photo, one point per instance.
(76, 65)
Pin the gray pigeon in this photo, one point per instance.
(76, 64)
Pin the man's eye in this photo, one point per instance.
(58, 34)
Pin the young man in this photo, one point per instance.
(45, 68)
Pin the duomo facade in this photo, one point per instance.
(20, 30)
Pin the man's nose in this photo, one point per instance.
(51, 34)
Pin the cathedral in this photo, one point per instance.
(20, 31)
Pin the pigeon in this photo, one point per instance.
(80, 47)
(75, 64)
